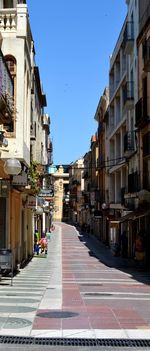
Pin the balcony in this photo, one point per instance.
(129, 143)
(146, 144)
(6, 93)
(128, 95)
(144, 13)
(141, 117)
(46, 120)
(11, 21)
(146, 55)
(133, 183)
(128, 37)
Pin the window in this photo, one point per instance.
(11, 63)
(8, 4)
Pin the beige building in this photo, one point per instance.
(60, 181)
(76, 186)
(85, 204)
(102, 191)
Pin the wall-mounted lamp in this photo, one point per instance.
(12, 166)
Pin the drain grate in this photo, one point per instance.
(96, 294)
(74, 342)
(91, 284)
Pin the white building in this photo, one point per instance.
(122, 134)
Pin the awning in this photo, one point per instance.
(135, 214)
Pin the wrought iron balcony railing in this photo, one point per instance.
(129, 143)
(146, 55)
(6, 92)
(128, 37)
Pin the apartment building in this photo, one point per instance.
(93, 186)
(123, 155)
(86, 199)
(142, 122)
(25, 125)
(102, 192)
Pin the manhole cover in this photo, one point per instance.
(15, 323)
(63, 314)
(16, 309)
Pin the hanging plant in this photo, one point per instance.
(34, 176)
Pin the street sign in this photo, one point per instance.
(46, 193)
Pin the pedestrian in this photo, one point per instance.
(36, 242)
(44, 245)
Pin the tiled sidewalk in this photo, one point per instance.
(80, 290)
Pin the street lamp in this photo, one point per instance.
(39, 210)
(12, 166)
(104, 206)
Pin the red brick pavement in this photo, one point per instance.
(83, 274)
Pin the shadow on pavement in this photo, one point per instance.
(103, 253)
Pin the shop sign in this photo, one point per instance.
(46, 193)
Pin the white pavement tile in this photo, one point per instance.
(138, 333)
(50, 303)
(25, 331)
(28, 316)
(110, 333)
(78, 333)
(47, 333)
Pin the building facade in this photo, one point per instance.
(25, 129)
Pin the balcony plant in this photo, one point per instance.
(34, 177)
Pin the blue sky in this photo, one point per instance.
(73, 41)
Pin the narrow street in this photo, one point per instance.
(78, 291)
